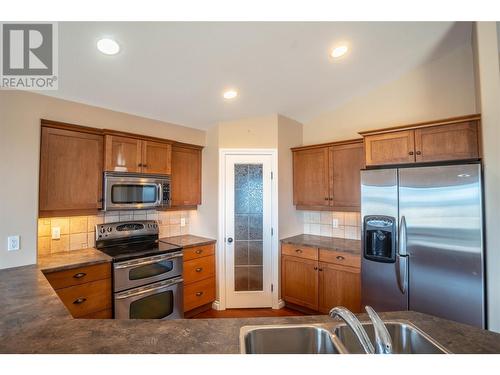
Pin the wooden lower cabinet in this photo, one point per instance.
(321, 285)
(339, 286)
(299, 281)
(199, 278)
(85, 291)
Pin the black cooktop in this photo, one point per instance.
(134, 250)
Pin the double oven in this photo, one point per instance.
(147, 273)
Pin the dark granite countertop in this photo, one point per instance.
(328, 243)
(34, 320)
(71, 259)
(187, 240)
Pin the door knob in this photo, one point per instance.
(230, 239)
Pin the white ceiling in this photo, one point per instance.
(176, 72)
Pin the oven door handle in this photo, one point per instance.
(147, 261)
(144, 290)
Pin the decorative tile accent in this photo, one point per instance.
(321, 223)
(78, 232)
(78, 224)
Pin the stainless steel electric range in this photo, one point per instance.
(147, 273)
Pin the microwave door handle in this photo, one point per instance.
(158, 192)
(402, 238)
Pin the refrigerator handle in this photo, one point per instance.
(402, 272)
(402, 237)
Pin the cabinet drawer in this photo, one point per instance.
(199, 293)
(87, 298)
(305, 252)
(198, 251)
(198, 269)
(340, 258)
(78, 276)
(103, 314)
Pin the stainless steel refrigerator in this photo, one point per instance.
(422, 241)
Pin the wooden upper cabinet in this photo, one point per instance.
(186, 176)
(71, 164)
(447, 142)
(346, 164)
(444, 140)
(311, 178)
(156, 157)
(390, 148)
(128, 154)
(328, 177)
(299, 281)
(123, 154)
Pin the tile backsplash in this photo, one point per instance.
(77, 232)
(333, 224)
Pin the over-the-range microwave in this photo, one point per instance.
(135, 191)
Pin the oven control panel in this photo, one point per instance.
(110, 231)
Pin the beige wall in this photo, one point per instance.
(438, 89)
(20, 114)
(487, 70)
(254, 132)
(289, 135)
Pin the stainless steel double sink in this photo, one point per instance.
(332, 338)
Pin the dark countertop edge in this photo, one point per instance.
(71, 260)
(323, 242)
(69, 266)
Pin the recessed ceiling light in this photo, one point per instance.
(339, 51)
(230, 94)
(108, 46)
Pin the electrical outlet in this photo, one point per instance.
(335, 223)
(13, 243)
(183, 222)
(56, 233)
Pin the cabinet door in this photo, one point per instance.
(71, 164)
(447, 142)
(123, 154)
(311, 177)
(186, 176)
(299, 281)
(390, 148)
(339, 286)
(156, 157)
(347, 161)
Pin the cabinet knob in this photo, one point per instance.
(410, 153)
(340, 257)
(419, 152)
(199, 269)
(79, 275)
(79, 301)
(199, 251)
(315, 268)
(199, 294)
(320, 269)
(145, 165)
(298, 251)
(327, 199)
(139, 165)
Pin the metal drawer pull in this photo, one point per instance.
(298, 251)
(79, 301)
(79, 275)
(199, 294)
(410, 153)
(198, 251)
(199, 269)
(340, 257)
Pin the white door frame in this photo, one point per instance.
(220, 303)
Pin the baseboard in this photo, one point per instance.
(216, 305)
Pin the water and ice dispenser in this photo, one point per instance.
(379, 238)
